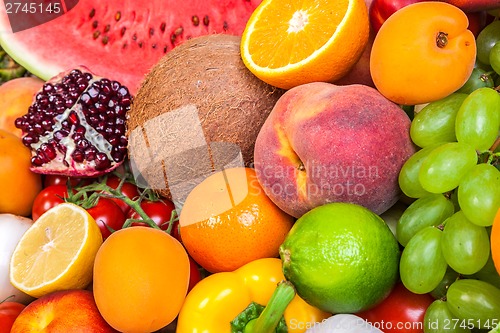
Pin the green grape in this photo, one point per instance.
(488, 273)
(465, 245)
(435, 123)
(495, 58)
(430, 210)
(439, 319)
(479, 78)
(408, 175)
(475, 301)
(485, 41)
(478, 119)
(445, 166)
(422, 264)
(479, 194)
(449, 277)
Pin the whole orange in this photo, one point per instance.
(141, 278)
(18, 184)
(495, 241)
(227, 221)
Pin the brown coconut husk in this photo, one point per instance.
(198, 108)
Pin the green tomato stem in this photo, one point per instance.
(103, 190)
(6, 299)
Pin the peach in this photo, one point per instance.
(68, 311)
(328, 143)
(16, 96)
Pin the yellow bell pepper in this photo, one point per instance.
(219, 298)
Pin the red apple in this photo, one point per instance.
(360, 72)
(327, 143)
(475, 5)
(380, 10)
(68, 311)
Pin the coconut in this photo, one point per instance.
(197, 111)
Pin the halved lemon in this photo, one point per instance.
(57, 252)
(290, 42)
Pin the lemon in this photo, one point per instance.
(341, 258)
(57, 252)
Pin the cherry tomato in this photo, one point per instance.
(128, 189)
(8, 314)
(107, 214)
(422, 53)
(47, 198)
(50, 180)
(159, 211)
(380, 10)
(194, 273)
(401, 312)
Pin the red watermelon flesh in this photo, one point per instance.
(117, 39)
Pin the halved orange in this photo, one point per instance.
(288, 43)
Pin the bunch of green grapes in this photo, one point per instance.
(455, 181)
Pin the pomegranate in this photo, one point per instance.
(76, 125)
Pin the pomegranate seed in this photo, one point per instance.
(73, 118)
(48, 151)
(37, 161)
(102, 162)
(78, 156)
(90, 154)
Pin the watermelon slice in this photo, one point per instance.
(117, 39)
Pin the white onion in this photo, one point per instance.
(12, 227)
(343, 323)
(393, 214)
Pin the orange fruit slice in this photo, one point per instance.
(288, 43)
(57, 252)
(227, 221)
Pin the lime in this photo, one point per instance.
(341, 258)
